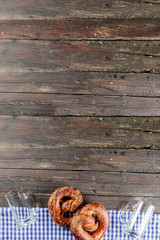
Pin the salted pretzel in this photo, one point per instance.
(84, 225)
(62, 201)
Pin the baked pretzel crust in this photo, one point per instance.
(63, 200)
(85, 227)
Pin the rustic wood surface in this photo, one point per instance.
(114, 9)
(80, 99)
(62, 105)
(81, 29)
(62, 56)
(84, 132)
(81, 83)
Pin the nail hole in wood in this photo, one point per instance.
(107, 5)
(107, 58)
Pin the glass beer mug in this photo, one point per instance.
(24, 207)
(139, 218)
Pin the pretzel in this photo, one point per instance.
(85, 227)
(62, 201)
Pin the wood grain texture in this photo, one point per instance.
(16, 104)
(80, 159)
(79, 99)
(113, 184)
(62, 132)
(79, 83)
(62, 56)
(81, 29)
(110, 202)
(17, 9)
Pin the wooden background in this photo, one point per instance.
(79, 99)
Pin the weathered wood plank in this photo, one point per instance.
(81, 29)
(16, 9)
(90, 159)
(77, 105)
(110, 56)
(115, 184)
(90, 83)
(60, 132)
(110, 202)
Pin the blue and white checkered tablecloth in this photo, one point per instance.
(46, 229)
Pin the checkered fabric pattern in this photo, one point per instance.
(46, 229)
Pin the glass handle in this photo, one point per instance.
(134, 215)
(121, 215)
(136, 212)
(35, 201)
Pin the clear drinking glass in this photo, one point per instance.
(139, 218)
(24, 207)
